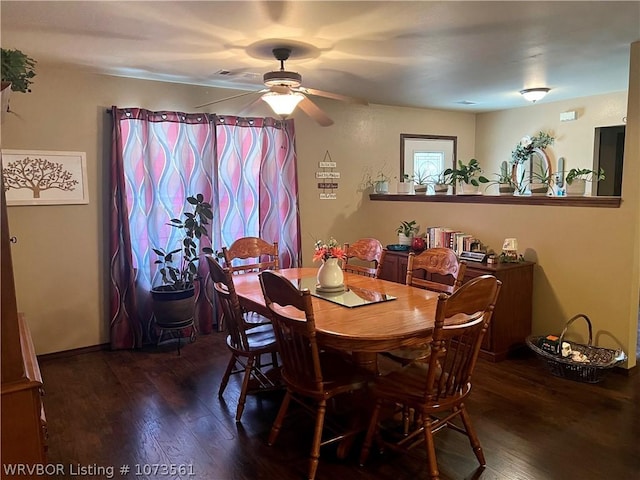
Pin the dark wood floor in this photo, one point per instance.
(155, 407)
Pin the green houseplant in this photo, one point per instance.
(467, 175)
(577, 179)
(505, 182)
(406, 230)
(17, 69)
(541, 180)
(421, 181)
(17, 72)
(173, 302)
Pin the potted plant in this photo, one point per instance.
(577, 179)
(17, 72)
(173, 301)
(505, 182)
(405, 184)
(421, 182)
(541, 180)
(467, 176)
(441, 182)
(406, 231)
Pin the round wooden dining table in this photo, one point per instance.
(364, 330)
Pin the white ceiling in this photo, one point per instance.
(418, 53)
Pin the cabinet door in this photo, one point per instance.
(394, 267)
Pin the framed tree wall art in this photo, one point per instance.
(36, 177)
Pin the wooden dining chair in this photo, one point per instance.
(436, 269)
(250, 254)
(438, 392)
(246, 342)
(313, 376)
(369, 252)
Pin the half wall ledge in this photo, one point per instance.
(599, 202)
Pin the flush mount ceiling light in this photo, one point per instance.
(283, 103)
(534, 94)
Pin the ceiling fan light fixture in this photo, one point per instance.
(534, 94)
(283, 103)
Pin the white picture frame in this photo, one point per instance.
(63, 177)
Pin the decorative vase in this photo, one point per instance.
(381, 187)
(330, 275)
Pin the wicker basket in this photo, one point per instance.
(600, 359)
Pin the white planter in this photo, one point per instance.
(404, 240)
(576, 188)
(404, 187)
(467, 189)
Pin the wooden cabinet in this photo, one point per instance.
(511, 322)
(23, 424)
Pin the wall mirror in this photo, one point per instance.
(424, 157)
(534, 170)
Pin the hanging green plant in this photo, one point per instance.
(17, 69)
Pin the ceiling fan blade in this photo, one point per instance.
(311, 109)
(244, 94)
(334, 96)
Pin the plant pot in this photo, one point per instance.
(404, 240)
(441, 188)
(576, 188)
(538, 189)
(172, 307)
(381, 187)
(404, 187)
(506, 189)
(467, 188)
(421, 189)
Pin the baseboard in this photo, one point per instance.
(73, 352)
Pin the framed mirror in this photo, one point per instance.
(424, 157)
(532, 171)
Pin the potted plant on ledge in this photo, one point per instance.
(173, 301)
(577, 179)
(541, 180)
(467, 176)
(505, 181)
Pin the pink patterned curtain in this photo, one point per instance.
(160, 158)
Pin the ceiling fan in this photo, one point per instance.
(284, 92)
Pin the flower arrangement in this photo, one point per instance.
(527, 144)
(324, 251)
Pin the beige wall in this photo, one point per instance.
(61, 253)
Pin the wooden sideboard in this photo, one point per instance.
(511, 322)
(22, 420)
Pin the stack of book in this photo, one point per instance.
(454, 239)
